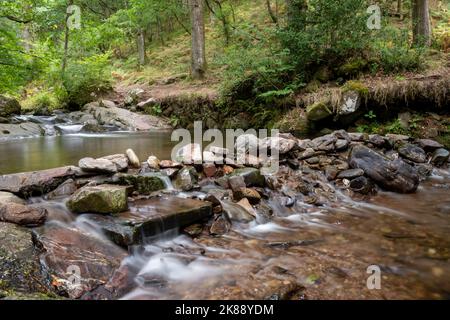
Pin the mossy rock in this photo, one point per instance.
(103, 199)
(9, 106)
(252, 177)
(144, 184)
(294, 121)
(318, 111)
(352, 68)
(356, 86)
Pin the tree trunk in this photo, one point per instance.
(271, 13)
(66, 39)
(400, 9)
(141, 46)
(198, 63)
(421, 23)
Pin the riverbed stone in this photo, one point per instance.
(252, 176)
(428, 144)
(67, 188)
(144, 183)
(251, 195)
(120, 160)
(153, 163)
(36, 183)
(97, 165)
(325, 143)
(70, 254)
(396, 175)
(133, 159)
(413, 153)
(103, 199)
(235, 212)
(22, 215)
(186, 179)
(351, 174)
(440, 157)
(283, 145)
(151, 217)
(190, 154)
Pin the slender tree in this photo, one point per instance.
(421, 23)
(198, 55)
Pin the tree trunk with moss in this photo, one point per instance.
(198, 55)
(421, 23)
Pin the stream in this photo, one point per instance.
(304, 252)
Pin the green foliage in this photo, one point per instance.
(356, 86)
(43, 100)
(86, 78)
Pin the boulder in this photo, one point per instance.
(325, 143)
(246, 193)
(133, 159)
(9, 107)
(351, 174)
(144, 183)
(281, 144)
(412, 153)
(76, 261)
(151, 217)
(318, 111)
(440, 157)
(36, 183)
(236, 212)
(396, 175)
(66, 189)
(120, 160)
(351, 101)
(104, 199)
(428, 144)
(22, 215)
(22, 130)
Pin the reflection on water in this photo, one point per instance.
(49, 152)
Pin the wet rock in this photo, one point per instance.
(252, 177)
(36, 183)
(429, 145)
(440, 157)
(245, 203)
(7, 197)
(70, 254)
(67, 188)
(281, 144)
(351, 174)
(186, 179)
(151, 217)
(424, 170)
(193, 230)
(190, 154)
(170, 172)
(220, 226)
(105, 199)
(331, 173)
(246, 193)
(97, 165)
(308, 153)
(236, 212)
(318, 111)
(325, 143)
(357, 137)
(362, 185)
(144, 183)
(341, 144)
(107, 104)
(377, 140)
(22, 215)
(153, 163)
(397, 138)
(20, 270)
(9, 107)
(413, 153)
(215, 196)
(394, 175)
(133, 159)
(237, 183)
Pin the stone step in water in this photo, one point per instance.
(147, 218)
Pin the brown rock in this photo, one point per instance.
(22, 215)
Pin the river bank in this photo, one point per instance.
(116, 227)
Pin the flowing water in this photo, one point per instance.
(304, 252)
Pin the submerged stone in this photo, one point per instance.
(99, 199)
(151, 217)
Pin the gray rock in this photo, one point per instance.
(413, 153)
(440, 157)
(237, 183)
(252, 177)
(67, 188)
(36, 183)
(351, 174)
(394, 175)
(133, 159)
(428, 144)
(325, 143)
(186, 179)
(236, 212)
(97, 165)
(9, 107)
(350, 105)
(7, 197)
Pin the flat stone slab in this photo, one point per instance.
(36, 183)
(76, 261)
(148, 218)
